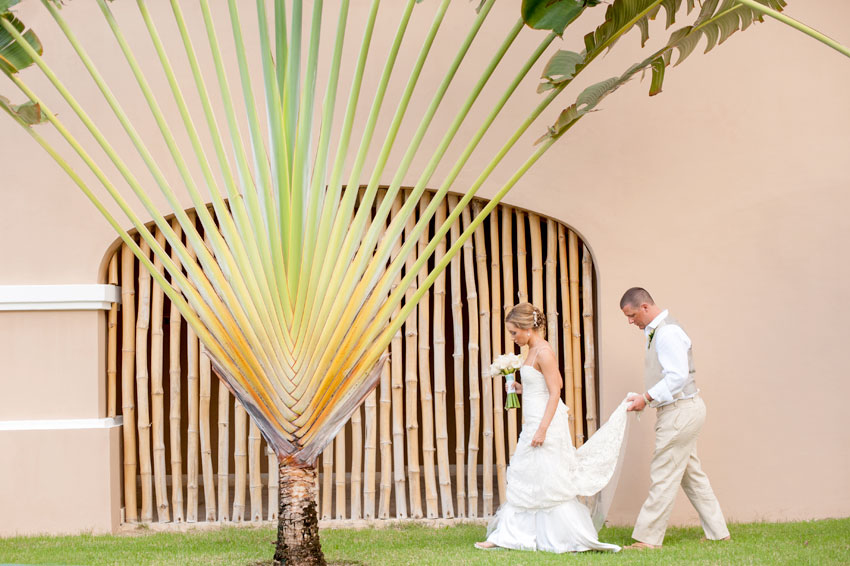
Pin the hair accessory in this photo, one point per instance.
(536, 322)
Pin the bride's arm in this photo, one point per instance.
(549, 367)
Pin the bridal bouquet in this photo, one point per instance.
(507, 365)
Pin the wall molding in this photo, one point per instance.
(58, 297)
(62, 424)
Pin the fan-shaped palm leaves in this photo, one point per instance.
(295, 294)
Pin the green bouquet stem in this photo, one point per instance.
(512, 401)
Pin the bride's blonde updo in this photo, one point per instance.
(527, 316)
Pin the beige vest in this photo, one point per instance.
(652, 367)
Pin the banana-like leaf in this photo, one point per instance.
(560, 68)
(587, 101)
(716, 21)
(620, 17)
(14, 57)
(6, 4)
(554, 15)
(29, 112)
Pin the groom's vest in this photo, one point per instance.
(652, 367)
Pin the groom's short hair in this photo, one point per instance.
(635, 297)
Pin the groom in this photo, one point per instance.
(671, 390)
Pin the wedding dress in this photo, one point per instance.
(542, 510)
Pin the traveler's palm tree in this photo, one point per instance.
(289, 282)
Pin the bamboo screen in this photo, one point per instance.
(433, 440)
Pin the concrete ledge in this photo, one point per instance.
(348, 524)
(62, 424)
(58, 297)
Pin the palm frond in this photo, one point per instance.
(292, 271)
(294, 290)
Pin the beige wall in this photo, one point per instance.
(66, 375)
(725, 196)
(59, 481)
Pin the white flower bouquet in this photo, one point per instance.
(508, 365)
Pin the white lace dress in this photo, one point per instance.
(542, 511)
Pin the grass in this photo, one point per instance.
(816, 543)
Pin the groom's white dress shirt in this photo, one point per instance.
(672, 345)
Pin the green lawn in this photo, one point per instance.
(769, 544)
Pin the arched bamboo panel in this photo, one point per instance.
(434, 431)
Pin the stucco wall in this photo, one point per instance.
(725, 196)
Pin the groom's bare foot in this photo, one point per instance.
(642, 546)
(486, 545)
(705, 539)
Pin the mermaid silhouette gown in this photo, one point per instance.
(541, 511)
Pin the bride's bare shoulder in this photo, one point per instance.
(545, 355)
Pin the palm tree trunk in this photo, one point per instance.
(298, 524)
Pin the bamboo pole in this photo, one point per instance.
(508, 282)
(240, 460)
(370, 454)
(566, 333)
(160, 469)
(339, 473)
(474, 391)
(112, 344)
(521, 259)
(205, 396)
(274, 483)
(128, 407)
(441, 416)
(522, 266)
(143, 318)
(589, 350)
(386, 443)
(193, 406)
(429, 450)
(255, 480)
(480, 247)
(363, 441)
(572, 242)
(551, 268)
(356, 474)
(386, 428)
(496, 341)
(174, 398)
(457, 356)
(223, 452)
(397, 384)
(370, 434)
(204, 399)
(410, 390)
(327, 481)
(537, 296)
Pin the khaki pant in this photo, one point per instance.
(675, 463)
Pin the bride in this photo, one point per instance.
(546, 473)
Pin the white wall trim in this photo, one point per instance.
(58, 297)
(62, 424)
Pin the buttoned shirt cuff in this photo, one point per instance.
(660, 394)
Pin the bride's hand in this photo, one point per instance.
(517, 388)
(538, 438)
